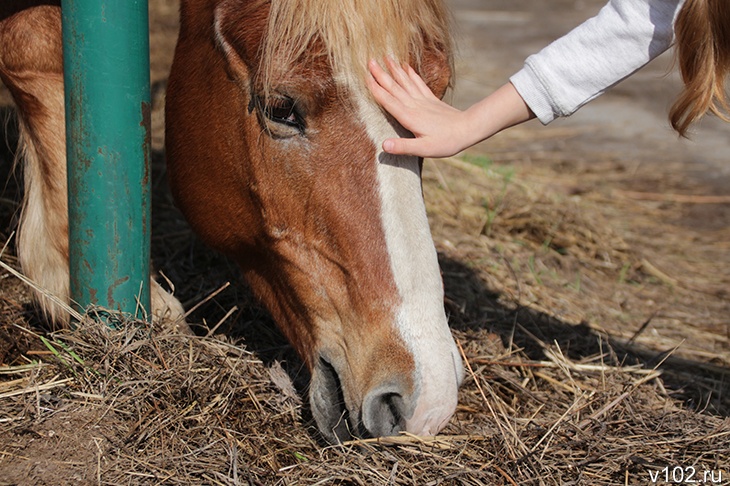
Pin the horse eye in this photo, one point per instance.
(283, 111)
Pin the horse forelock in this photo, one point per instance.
(350, 32)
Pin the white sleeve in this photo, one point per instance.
(602, 51)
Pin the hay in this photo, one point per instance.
(143, 406)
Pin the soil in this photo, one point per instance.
(619, 148)
(587, 277)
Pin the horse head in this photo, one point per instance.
(274, 157)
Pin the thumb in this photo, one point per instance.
(402, 146)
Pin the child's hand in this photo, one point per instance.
(439, 129)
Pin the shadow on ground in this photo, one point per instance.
(701, 386)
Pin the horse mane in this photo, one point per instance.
(351, 32)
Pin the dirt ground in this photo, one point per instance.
(616, 156)
(587, 274)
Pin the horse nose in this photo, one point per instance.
(391, 407)
(391, 403)
(387, 410)
(383, 411)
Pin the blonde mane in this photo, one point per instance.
(352, 32)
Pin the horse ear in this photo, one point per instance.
(237, 38)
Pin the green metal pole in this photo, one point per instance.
(107, 84)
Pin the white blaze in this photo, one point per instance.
(421, 319)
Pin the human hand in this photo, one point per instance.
(440, 130)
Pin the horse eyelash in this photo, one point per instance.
(266, 111)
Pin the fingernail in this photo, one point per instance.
(388, 145)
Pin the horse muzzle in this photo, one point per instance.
(389, 405)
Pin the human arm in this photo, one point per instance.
(439, 129)
(595, 56)
(570, 72)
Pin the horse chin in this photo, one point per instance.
(328, 403)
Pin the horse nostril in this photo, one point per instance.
(383, 413)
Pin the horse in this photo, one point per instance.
(273, 156)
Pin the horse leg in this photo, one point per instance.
(31, 66)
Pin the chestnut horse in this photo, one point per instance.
(273, 151)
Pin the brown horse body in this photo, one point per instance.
(274, 157)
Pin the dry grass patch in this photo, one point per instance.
(141, 406)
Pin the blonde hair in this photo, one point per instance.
(702, 33)
(351, 32)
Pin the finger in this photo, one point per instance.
(400, 75)
(390, 103)
(420, 84)
(381, 95)
(404, 146)
(377, 82)
(379, 74)
(386, 81)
